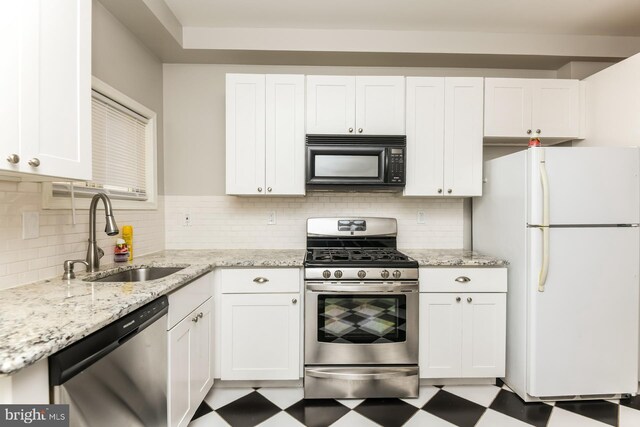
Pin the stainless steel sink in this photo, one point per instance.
(142, 274)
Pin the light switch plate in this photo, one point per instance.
(30, 225)
(422, 218)
(271, 218)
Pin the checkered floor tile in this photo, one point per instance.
(462, 406)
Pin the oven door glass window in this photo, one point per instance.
(362, 319)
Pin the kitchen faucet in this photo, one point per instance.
(94, 253)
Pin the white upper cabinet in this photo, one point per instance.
(265, 134)
(47, 112)
(344, 105)
(444, 136)
(519, 108)
(331, 104)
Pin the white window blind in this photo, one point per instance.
(119, 153)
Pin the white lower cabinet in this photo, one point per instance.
(463, 318)
(190, 349)
(260, 336)
(462, 335)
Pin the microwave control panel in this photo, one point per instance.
(396, 165)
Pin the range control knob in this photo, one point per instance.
(338, 274)
(384, 274)
(362, 274)
(396, 274)
(326, 274)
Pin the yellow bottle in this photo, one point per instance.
(127, 235)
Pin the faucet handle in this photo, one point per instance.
(100, 252)
(68, 268)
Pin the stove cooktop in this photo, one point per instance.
(360, 257)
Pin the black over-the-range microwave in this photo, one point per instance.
(356, 162)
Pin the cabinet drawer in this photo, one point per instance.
(186, 299)
(260, 280)
(463, 279)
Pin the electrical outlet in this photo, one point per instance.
(186, 220)
(30, 225)
(271, 218)
(422, 218)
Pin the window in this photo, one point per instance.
(123, 155)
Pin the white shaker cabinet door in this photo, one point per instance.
(260, 337)
(440, 335)
(425, 136)
(483, 338)
(245, 127)
(507, 107)
(463, 123)
(10, 100)
(556, 108)
(181, 342)
(285, 135)
(331, 105)
(202, 352)
(380, 105)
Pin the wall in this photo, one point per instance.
(121, 61)
(194, 106)
(613, 105)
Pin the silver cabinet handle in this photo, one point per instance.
(269, 189)
(200, 315)
(294, 301)
(35, 162)
(261, 280)
(439, 190)
(458, 299)
(462, 279)
(469, 299)
(13, 159)
(350, 130)
(259, 189)
(360, 130)
(528, 131)
(195, 319)
(449, 191)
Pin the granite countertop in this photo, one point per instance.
(453, 257)
(40, 318)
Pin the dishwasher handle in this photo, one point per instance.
(77, 357)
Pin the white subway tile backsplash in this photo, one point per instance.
(241, 222)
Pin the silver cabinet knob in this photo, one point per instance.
(362, 274)
(13, 159)
(458, 299)
(259, 189)
(528, 131)
(439, 190)
(195, 319)
(449, 191)
(384, 274)
(359, 130)
(269, 189)
(538, 131)
(35, 162)
(261, 280)
(469, 299)
(200, 315)
(294, 301)
(462, 279)
(350, 130)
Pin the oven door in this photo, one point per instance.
(346, 165)
(355, 324)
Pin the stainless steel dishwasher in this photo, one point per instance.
(116, 376)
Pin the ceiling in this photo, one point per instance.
(575, 17)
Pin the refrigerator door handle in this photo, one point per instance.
(544, 271)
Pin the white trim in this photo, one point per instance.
(50, 202)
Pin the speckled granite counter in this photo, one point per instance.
(453, 257)
(38, 319)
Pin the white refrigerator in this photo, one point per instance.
(566, 219)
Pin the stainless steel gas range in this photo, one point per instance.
(361, 311)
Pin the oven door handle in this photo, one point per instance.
(363, 374)
(400, 289)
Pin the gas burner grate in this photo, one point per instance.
(356, 255)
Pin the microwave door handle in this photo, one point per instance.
(385, 153)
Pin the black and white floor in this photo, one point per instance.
(462, 406)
